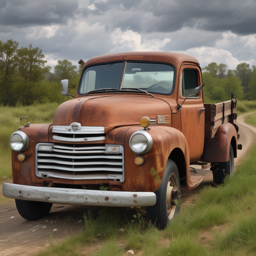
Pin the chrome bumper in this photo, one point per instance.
(79, 196)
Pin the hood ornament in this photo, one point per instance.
(75, 127)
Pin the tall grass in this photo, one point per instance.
(10, 122)
(244, 106)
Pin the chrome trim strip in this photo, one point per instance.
(59, 138)
(80, 157)
(95, 176)
(79, 196)
(52, 161)
(78, 148)
(98, 169)
(83, 130)
(79, 152)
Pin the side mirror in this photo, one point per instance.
(64, 87)
(196, 91)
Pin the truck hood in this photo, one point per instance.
(111, 110)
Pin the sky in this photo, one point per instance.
(222, 31)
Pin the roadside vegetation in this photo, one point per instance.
(221, 222)
(10, 122)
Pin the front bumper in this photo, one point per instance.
(79, 196)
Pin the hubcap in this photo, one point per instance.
(172, 196)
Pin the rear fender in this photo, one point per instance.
(217, 149)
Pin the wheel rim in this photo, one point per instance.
(172, 194)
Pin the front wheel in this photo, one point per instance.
(225, 168)
(31, 210)
(167, 197)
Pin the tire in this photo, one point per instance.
(167, 197)
(224, 169)
(31, 210)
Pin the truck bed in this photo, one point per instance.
(218, 114)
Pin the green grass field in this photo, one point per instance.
(10, 117)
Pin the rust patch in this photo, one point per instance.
(106, 198)
(134, 195)
(135, 201)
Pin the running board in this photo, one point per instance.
(195, 180)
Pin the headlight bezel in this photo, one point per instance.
(149, 143)
(25, 141)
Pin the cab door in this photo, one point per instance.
(193, 111)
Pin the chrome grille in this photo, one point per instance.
(80, 161)
(77, 133)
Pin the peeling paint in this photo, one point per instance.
(155, 174)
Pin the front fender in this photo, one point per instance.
(148, 176)
(217, 149)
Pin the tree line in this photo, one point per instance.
(220, 82)
(25, 79)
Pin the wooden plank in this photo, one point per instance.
(217, 114)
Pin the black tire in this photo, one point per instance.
(31, 210)
(225, 168)
(167, 198)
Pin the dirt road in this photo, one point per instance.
(21, 237)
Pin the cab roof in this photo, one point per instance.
(175, 59)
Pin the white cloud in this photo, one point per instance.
(206, 55)
(132, 41)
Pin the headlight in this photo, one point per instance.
(141, 142)
(19, 141)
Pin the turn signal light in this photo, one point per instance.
(145, 122)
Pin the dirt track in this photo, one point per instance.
(21, 237)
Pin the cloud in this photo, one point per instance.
(206, 55)
(73, 29)
(26, 13)
(167, 16)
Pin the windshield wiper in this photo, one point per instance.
(103, 90)
(118, 90)
(138, 89)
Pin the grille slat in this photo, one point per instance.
(79, 169)
(53, 161)
(78, 152)
(79, 157)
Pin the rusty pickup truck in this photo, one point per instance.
(128, 138)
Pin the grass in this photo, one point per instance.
(251, 119)
(244, 106)
(10, 117)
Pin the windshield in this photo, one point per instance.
(151, 77)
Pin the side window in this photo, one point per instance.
(188, 82)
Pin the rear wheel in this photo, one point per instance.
(31, 210)
(225, 168)
(167, 197)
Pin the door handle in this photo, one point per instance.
(201, 109)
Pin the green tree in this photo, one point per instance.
(213, 69)
(243, 72)
(217, 71)
(232, 84)
(65, 70)
(31, 72)
(222, 68)
(8, 70)
(213, 91)
(252, 85)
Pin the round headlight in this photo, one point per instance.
(19, 141)
(141, 142)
